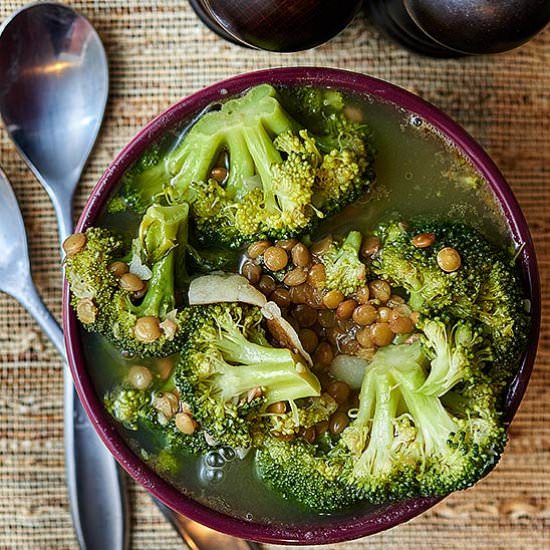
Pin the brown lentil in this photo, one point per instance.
(320, 247)
(449, 259)
(321, 427)
(423, 240)
(317, 276)
(256, 249)
(252, 272)
(310, 434)
(364, 338)
(326, 318)
(309, 339)
(219, 173)
(118, 269)
(86, 311)
(147, 329)
(353, 113)
(298, 294)
(267, 284)
(277, 408)
(362, 295)
(296, 277)
(415, 316)
(333, 298)
(131, 282)
(275, 258)
(339, 391)
(384, 314)
(281, 297)
(323, 354)
(301, 256)
(185, 423)
(380, 290)
(74, 243)
(287, 244)
(381, 334)
(345, 309)
(365, 314)
(401, 325)
(139, 377)
(370, 247)
(338, 423)
(305, 315)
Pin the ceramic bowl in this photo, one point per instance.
(331, 530)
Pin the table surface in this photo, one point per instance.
(159, 52)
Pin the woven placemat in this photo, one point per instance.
(160, 52)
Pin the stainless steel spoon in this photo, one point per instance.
(53, 93)
(95, 483)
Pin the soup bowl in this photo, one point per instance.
(329, 529)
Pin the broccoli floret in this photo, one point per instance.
(145, 183)
(228, 373)
(301, 416)
(344, 269)
(302, 472)
(272, 164)
(151, 411)
(485, 288)
(105, 306)
(281, 178)
(405, 442)
(457, 354)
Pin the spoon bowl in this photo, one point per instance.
(53, 95)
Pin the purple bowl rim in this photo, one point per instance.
(336, 529)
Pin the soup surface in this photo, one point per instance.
(417, 173)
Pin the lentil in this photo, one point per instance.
(266, 284)
(401, 325)
(147, 329)
(118, 269)
(380, 290)
(305, 315)
(301, 256)
(320, 247)
(252, 272)
(317, 276)
(370, 247)
(287, 244)
(74, 243)
(295, 277)
(381, 334)
(277, 408)
(281, 297)
(423, 240)
(275, 258)
(339, 391)
(185, 423)
(333, 298)
(449, 259)
(363, 295)
(345, 309)
(365, 314)
(338, 423)
(219, 173)
(131, 282)
(323, 355)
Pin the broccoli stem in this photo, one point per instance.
(159, 299)
(279, 381)
(432, 421)
(377, 455)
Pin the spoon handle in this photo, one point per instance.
(95, 483)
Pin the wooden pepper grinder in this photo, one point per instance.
(451, 28)
(276, 25)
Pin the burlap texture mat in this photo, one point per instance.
(159, 52)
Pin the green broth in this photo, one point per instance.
(417, 173)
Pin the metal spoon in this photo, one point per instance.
(52, 101)
(94, 480)
(53, 94)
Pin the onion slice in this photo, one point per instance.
(283, 331)
(224, 287)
